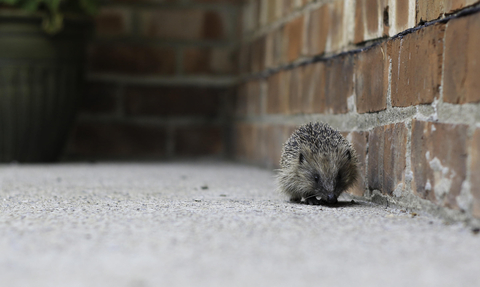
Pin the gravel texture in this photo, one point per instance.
(211, 224)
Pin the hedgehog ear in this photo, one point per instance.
(300, 158)
(349, 155)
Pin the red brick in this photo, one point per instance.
(475, 171)
(132, 59)
(258, 55)
(296, 93)
(207, 61)
(293, 39)
(198, 140)
(319, 100)
(339, 84)
(112, 22)
(118, 140)
(99, 98)
(184, 24)
(172, 101)
(416, 66)
(371, 79)
(359, 143)
(386, 158)
(439, 161)
(462, 60)
(317, 31)
(336, 31)
(369, 19)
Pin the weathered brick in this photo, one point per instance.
(118, 140)
(462, 60)
(198, 140)
(284, 96)
(296, 93)
(244, 55)
(293, 38)
(319, 98)
(241, 100)
(375, 158)
(308, 88)
(258, 54)
(269, 46)
(172, 101)
(250, 16)
(272, 10)
(273, 93)
(207, 61)
(336, 33)
(113, 22)
(371, 79)
(475, 171)
(253, 97)
(428, 10)
(317, 30)
(369, 21)
(439, 161)
(131, 59)
(242, 140)
(359, 143)
(275, 138)
(394, 161)
(184, 24)
(99, 98)
(338, 83)
(386, 158)
(399, 16)
(417, 66)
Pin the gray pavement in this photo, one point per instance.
(211, 224)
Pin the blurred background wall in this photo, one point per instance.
(160, 80)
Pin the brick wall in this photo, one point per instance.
(160, 77)
(399, 78)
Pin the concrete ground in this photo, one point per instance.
(211, 224)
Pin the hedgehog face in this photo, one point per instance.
(327, 174)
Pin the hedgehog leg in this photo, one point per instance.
(295, 198)
(312, 201)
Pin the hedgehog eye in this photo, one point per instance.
(316, 177)
(300, 159)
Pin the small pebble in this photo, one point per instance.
(204, 186)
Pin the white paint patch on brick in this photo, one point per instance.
(442, 176)
(351, 104)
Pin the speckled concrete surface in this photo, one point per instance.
(211, 224)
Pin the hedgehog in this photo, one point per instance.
(316, 162)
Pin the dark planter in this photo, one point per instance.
(41, 78)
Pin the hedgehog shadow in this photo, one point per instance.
(338, 204)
